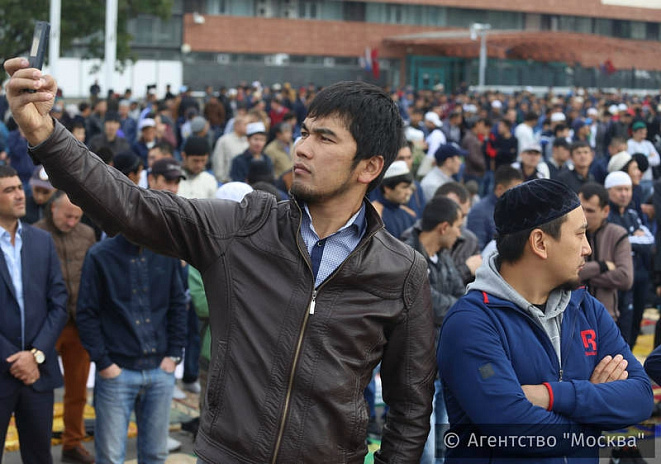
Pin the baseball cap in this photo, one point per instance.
(168, 168)
(448, 150)
(532, 147)
(39, 178)
(433, 118)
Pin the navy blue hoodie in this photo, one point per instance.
(493, 341)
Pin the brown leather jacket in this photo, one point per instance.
(71, 248)
(285, 385)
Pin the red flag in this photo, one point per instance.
(375, 63)
(608, 66)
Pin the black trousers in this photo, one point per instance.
(33, 412)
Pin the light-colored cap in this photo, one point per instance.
(397, 168)
(147, 122)
(532, 147)
(617, 179)
(558, 117)
(433, 118)
(255, 128)
(618, 161)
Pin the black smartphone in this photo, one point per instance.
(39, 44)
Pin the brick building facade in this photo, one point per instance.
(548, 42)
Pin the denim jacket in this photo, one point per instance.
(131, 306)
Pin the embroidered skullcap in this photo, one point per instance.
(532, 204)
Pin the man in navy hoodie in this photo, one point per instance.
(533, 366)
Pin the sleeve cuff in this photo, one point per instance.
(564, 397)
(550, 390)
(103, 363)
(603, 267)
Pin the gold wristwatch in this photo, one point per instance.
(38, 355)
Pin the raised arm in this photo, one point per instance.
(195, 230)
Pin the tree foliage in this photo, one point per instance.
(81, 20)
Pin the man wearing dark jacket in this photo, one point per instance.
(132, 317)
(527, 353)
(72, 240)
(609, 269)
(306, 297)
(433, 237)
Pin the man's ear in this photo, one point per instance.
(369, 169)
(442, 227)
(538, 243)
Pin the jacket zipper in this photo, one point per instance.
(561, 360)
(308, 313)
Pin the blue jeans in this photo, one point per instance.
(434, 451)
(150, 393)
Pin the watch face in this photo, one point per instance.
(39, 357)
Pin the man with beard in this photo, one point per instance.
(305, 296)
(526, 352)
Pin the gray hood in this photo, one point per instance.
(489, 280)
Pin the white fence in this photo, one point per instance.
(74, 77)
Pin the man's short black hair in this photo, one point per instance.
(531, 116)
(559, 128)
(590, 189)
(165, 147)
(453, 187)
(578, 144)
(7, 171)
(369, 114)
(560, 142)
(506, 174)
(507, 123)
(510, 247)
(437, 211)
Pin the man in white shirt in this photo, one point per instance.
(436, 137)
(638, 143)
(524, 131)
(227, 147)
(198, 182)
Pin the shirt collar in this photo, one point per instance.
(357, 220)
(19, 230)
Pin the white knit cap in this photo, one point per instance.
(618, 161)
(397, 168)
(617, 179)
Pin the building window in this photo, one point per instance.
(652, 31)
(309, 9)
(622, 29)
(395, 14)
(604, 27)
(354, 11)
(638, 30)
(550, 22)
(217, 7)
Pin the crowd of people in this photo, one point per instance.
(499, 194)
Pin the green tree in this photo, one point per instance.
(81, 19)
